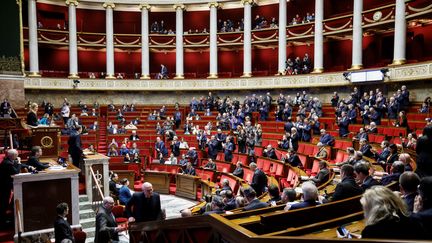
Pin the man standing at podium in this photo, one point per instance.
(74, 143)
(144, 206)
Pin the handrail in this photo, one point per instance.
(96, 182)
(18, 219)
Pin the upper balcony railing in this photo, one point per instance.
(381, 17)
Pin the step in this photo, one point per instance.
(89, 240)
(87, 213)
(85, 205)
(88, 223)
(90, 232)
(83, 198)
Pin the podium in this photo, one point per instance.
(48, 138)
(37, 196)
(186, 186)
(98, 163)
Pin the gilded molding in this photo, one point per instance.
(74, 2)
(243, 2)
(144, 6)
(409, 72)
(214, 4)
(181, 6)
(109, 5)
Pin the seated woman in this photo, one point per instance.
(136, 159)
(127, 158)
(113, 144)
(44, 120)
(112, 152)
(387, 216)
(124, 193)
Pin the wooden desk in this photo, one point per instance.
(128, 174)
(186, 186)
(207, 187)
(159, 179)
(39, 194)
(354, 227)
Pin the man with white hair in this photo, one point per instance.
(144, 206)
(310, 196)
(106, 226)
(322, 151)
(10, 166)
(259, 180)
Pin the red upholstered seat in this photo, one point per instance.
(247, 175)
(80, 236)
(118, 212)
(233, 183)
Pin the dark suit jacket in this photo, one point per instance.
(409, 200)
(390, 178)
(402, 228)
(321, 177)
(105, 226)
(32, 119)
(255, 204)
(62, 230)
(8, 168)
(230, 205)
(369, 182)
(346, 188)
(294, 161)
(190, 171)
(425, 217)
(144, 209)
(259, 182)
(238, 172)
(33, 161)
(305, 204)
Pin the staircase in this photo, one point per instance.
(87, 217)
(102, 143)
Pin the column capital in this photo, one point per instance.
(109, 5)
(144, 6)
(73, 2)
(215, 5)
(246, 2)
(181, 6)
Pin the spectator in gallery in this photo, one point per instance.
(154, 28)
(119, 76)
(163, 72)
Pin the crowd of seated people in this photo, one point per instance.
(160, 28)
(306, 19)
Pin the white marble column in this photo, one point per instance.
(145, 53)
(282, 36)
(73, 49)
(109, 40)
(318, 37)
(399, 34)
(213, 73)
(357, 46)
(179, 41)
(33, 39)
(247, 39)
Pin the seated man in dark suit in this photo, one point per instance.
(423, 206)
(144, 206)
(326, 138)
(229, 200)
(408, 183)
(259, 180)
(36, 153)
(269, 152)
(106, 226)
(396, 171)
(323, 174)
(348, 186)
(310, 196)
(365, 148)
(361, 171)
(189, 169)
(211, 165)
(293, 159)
(238, 171)
(274, 194)
(225, 185)
(253, 201)
(217, 206)
(62, 229)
